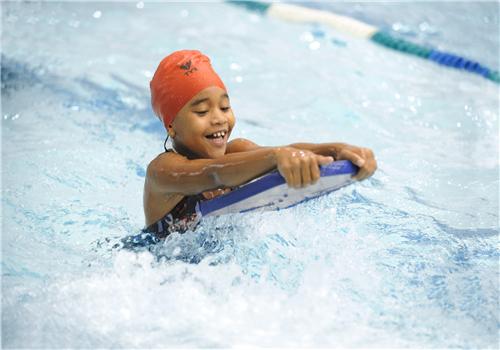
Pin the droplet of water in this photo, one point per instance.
(401, 28)
(314, 45)
(235, 66)
(306, 37)
(427, 28)
(97, 14)
(140, 5)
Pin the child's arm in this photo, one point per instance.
(174, 173)
(362, 157)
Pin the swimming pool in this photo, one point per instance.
(408, 258)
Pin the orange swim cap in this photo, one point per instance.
(178, 78)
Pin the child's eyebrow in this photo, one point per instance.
(197, 102)
(201, 100)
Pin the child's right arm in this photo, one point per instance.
(174, 173)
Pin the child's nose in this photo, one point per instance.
(218, 117)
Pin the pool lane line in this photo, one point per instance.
(354, 27)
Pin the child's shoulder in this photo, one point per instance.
(163, 160)
(241, 145)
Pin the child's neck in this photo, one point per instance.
(186, 152)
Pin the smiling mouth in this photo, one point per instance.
(217, 135)
(218, 139)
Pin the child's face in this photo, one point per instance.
(204, 124)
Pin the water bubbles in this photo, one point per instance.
(314, 45)
(402, 28)
(459, 125)
(177, 251)
(147, 73)
(32, 20)
(238, 78)
(14, 117)
(426, 28)
(235, 66)
(306, 37)
(140, 5)
(74, 23)
(97, 14)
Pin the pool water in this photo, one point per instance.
(408, 258)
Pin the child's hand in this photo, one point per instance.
(299, 167)
(362, 157)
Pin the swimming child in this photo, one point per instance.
(193, 103)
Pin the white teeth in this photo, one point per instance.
(219, 134)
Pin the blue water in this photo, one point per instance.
(408, 258)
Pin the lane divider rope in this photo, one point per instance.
(360, 29)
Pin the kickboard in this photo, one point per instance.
(270, 191)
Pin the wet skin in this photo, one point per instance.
(204, 162)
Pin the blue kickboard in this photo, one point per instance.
(270, 192)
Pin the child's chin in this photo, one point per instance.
(217, 153)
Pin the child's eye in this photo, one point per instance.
(201, 113)
(225, 109)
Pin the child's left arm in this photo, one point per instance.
(362, 157)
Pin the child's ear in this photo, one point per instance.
(170, 131)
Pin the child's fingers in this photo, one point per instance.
(322, 160)
(287, 175)
(351, 156)
(306, 175)
(296, 177)
(361, 175)
(315, 173)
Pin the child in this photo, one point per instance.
(193, 104)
